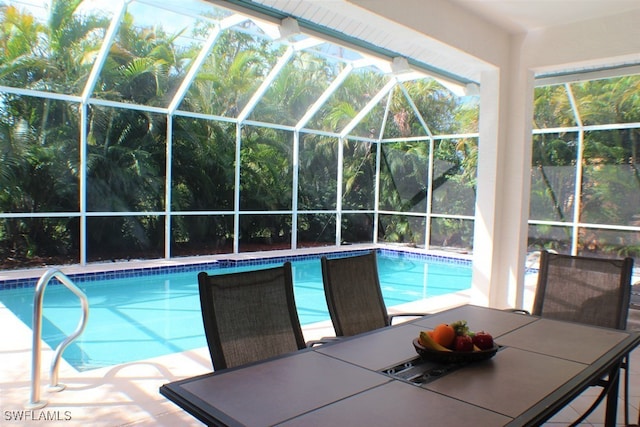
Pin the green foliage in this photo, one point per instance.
(126, 148)
(609, 191)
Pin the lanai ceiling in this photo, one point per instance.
(511, 15)
(350, 17)
(528, 15)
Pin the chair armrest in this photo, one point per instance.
(321, 341)
(634, 302)
(394, 315)
(518, 310)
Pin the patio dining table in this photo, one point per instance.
(377, 378)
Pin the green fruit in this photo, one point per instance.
(461, 328)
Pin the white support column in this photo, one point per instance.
(502, 206)
(485, 230)
(516, 188)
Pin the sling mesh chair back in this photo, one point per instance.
(633, 321)
(587, 290)
(249, 316)
(354, 297)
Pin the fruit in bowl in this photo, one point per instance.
(483, 340)
(463, 343)
(455, 343)
(426, 340)
(444, 334)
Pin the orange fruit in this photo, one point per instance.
(444, 334)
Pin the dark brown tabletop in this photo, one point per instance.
(541, 366)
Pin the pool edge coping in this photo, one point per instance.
(98, 271)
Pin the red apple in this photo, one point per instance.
(463, 343)
(483, 340)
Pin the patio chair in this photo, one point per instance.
(354, 297)
(588, 290)
(634, 302)
(249, 316)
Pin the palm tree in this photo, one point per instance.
(41, 158)
(126, 165)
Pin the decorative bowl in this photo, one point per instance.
(454, 356)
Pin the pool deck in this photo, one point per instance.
(127, 394)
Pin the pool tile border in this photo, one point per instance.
(31, 282)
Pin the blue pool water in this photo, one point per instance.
(135, 318)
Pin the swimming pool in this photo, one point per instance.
(140, 316)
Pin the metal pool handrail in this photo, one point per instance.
(34, 400)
